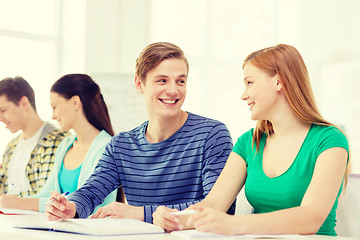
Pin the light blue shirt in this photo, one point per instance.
(90, 161)
(68, 178)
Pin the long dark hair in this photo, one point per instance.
(93, 103)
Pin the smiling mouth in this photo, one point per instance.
(251, 105)
(169, 101)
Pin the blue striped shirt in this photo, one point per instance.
(176, 172)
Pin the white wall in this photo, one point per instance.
(116, 32)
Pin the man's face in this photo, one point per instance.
(12, 115)
(165, 88)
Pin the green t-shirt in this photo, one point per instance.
(287, 190)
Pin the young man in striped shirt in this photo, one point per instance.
(173, 159)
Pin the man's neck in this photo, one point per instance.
(161, 129)
(33, 124)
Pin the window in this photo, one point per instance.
(30, 36)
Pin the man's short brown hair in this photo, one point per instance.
(15, 88)
(154, 54)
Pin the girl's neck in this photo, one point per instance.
(287, 123)
(85, 134)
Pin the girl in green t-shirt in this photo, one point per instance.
(292, 164)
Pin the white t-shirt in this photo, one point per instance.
(17, 179)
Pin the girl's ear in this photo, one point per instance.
(139, 85)
(76, 102)
(278, 82)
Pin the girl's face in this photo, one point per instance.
(261, 92)
(165, 88)
(64, 111)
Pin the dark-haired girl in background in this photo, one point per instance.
(77, 104)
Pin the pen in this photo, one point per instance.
(50, 201)
(184, 212)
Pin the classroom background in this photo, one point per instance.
(41, 40)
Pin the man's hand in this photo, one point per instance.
(120, 210)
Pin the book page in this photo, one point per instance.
(98, 227)
(105, 226)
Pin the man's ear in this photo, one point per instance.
(139, 84)
(24, 102)
(76, 102)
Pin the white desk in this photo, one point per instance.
(21, 234)
(9, 233)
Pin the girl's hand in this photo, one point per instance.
(214, 221)
(163, 218)
(59, 207)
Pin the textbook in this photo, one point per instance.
(98, 226)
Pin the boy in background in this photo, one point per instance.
(29, 157)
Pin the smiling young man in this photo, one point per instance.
(171, 160)
(29, 157)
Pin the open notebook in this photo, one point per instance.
(99, 227)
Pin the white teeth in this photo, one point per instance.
(168, 101)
